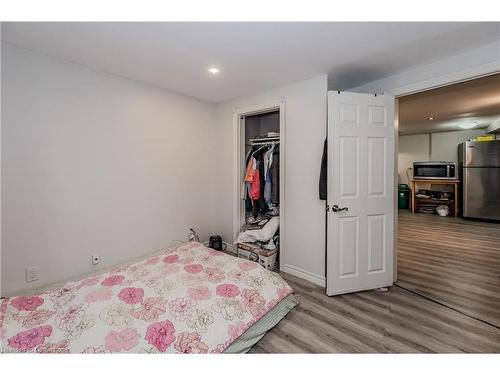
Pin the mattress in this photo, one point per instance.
(187, 299)
(253, 335)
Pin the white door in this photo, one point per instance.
(361, 201)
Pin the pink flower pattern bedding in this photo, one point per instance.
(189, 299)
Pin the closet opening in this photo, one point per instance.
(259, 187)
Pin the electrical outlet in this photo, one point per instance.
(31, 274)
(96, 259)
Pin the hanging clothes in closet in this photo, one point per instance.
(262, 179)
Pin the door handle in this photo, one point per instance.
(336, 208)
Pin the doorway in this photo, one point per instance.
(447, 253)
(259, 138)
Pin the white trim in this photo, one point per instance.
(282, 184)
(263, 107)
(396, 181)
(0, 160)
(303, 274)
(238, 112)
(447, 79)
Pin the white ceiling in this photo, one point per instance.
(252, 57)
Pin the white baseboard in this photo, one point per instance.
(306, 275)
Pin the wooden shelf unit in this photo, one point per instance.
(452, 203)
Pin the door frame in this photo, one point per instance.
(238, 167)
(414, 88)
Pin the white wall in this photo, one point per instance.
(444, 146)
(96, 164)
(411, 148)
(305, 131)
(436, 146)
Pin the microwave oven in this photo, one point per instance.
(437, 170)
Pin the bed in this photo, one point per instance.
(187, 299)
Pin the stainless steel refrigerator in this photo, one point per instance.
(479, 170)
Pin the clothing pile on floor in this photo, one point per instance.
(259, 241)
(264, 234)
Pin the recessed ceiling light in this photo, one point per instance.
(468, 125)
(213, 70)
(432, 118)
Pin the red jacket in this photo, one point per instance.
(255, 190)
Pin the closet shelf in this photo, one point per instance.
(264, 139)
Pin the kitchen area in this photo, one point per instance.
(469, 188)
(449, 150)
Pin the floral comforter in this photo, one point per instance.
(189, 299)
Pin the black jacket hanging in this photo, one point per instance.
(323, 174)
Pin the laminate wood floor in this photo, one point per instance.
(459, 267)
(453, 261)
